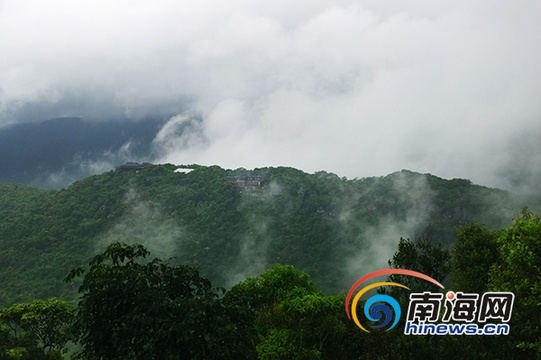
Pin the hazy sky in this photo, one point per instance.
(359, 88)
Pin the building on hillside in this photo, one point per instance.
(248, 182)
(134, 166)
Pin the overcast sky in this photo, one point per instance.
(358, 88)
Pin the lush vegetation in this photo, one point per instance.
(133, 308)
(204, 228)
(319, 222)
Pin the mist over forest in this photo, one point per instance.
(209, 178)
(357, 89)
(307, 236)
(235, 223)
(56, 152)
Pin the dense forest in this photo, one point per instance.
(199, 262)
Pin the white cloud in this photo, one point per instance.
(356, 88)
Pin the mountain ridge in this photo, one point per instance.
(331, 227)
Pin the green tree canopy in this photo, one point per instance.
(519, 272)
(422, 255)
(39, 329)
(472, 256)
(131, 309)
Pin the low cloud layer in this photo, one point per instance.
(380, 241)
(143, 223)
(356, 88)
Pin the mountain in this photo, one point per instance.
(233, 223)
(56, 152)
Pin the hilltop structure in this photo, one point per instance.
(247, 180)
(134, 166)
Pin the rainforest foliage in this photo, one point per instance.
(236, 264)
(131, 307)
(232, 227)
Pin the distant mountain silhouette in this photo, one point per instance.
(30, 150)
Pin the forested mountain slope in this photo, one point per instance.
(233, 223)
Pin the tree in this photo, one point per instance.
(130, 309)
(424, 256)
(293, 319)
(519, 272)
(475, 251)
(38, 329)
(430, 259)
(276, 284)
